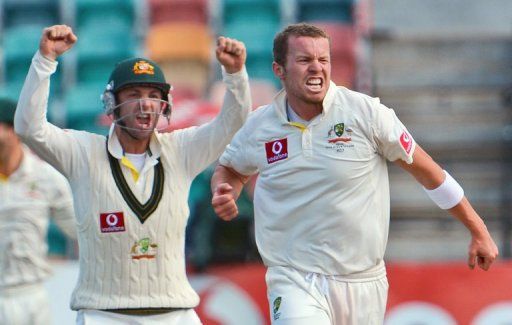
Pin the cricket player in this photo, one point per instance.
(31, 192)
(130, 188)
(322, 196)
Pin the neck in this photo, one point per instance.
(10, 158)
(306, 111)
(130, 143)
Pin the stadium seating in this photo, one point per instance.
(162, 11)
(255, 23)
(20, 44)
(259, 12)
(183, 51)
(179, 41)
(343, 52)
(35, 12)
(104, 13)
(99, 50)
(262, 92)
(11, 90)
(83, 105)
(325, 10)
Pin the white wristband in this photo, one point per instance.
(448, 194)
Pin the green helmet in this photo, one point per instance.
(7, 110)
(134, 72)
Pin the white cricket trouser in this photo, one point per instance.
(25, 305)
(300, 298)
(99, 317)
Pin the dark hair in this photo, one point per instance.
(302, 29)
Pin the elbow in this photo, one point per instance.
(22, 130)
(20, 126)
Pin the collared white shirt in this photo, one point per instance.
(142, 180)
(29, 197)
(322, 195)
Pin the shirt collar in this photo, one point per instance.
(115, 149)
(280, 102)
(26, 166)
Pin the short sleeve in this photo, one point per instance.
(392, 139)
(237, 155)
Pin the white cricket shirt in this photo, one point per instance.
(322, 197)
(29, 197)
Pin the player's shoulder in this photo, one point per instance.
(355, 96)
(357, 101)
(261, 114)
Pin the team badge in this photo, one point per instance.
(406, 142)
(112, 222)
(143, 248)
(143, 67)
(275, 308)
(339, 128)
(276, 150)
(336, 131)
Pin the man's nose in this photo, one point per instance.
(145, 103)
(315, 65)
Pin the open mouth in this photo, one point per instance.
(314, 84)
(144, 120)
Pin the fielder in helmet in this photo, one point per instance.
(131, 188)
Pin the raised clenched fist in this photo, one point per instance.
(231, 54)
(56, 40)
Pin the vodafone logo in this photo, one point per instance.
(406, 142)
(112, 222)
(277, 147)
(276, 150)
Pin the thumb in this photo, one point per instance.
(472, 260)
(223, 188)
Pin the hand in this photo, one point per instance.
(223, 202)
(56, 40)
(482, 251)
(231, 54)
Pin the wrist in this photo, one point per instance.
(232, 70)
(48, 56)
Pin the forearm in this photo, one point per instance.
(52, 144)
(203, 145)
(30, 119)
(465, 213)
(227, 175)
(237, 101)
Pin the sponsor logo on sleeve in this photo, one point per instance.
(406, 142)
(112, 222)
(276, 150)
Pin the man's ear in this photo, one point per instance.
(278, 70)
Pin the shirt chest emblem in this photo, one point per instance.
(338, 133)
(339, 137)
(143, 248)
(276, 150)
